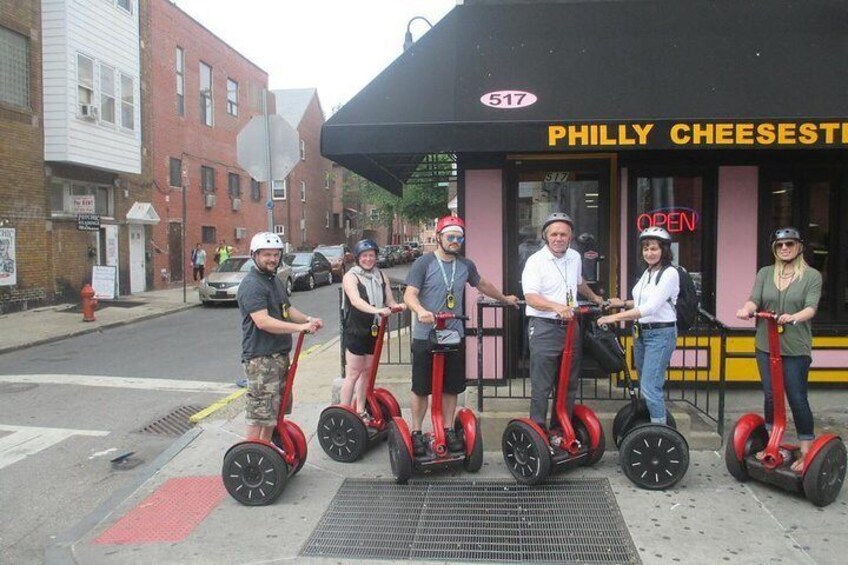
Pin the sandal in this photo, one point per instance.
(760, 455)
(798, 465)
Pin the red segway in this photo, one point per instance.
(342, 433)
(528, 450)
(255, 472)
(437, 455)
(824, 465)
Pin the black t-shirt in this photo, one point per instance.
(256, 292)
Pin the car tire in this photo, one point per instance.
(289, 286)
(310, 282)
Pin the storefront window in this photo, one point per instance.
(680, 204)
(808, 198)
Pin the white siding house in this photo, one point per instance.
(91, 72)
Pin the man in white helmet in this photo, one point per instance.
(267, 322)
(551, 280)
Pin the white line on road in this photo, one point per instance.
(27, 440)
(174, 385)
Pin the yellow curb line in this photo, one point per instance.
(214, 407)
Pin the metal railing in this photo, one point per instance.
(696, 374)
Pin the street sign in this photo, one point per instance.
(252, 148)
(270, 204)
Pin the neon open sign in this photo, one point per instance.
(675, 220)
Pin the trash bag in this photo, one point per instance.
(603, 346)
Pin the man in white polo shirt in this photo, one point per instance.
(551, 280)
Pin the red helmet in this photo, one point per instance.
(449, 221)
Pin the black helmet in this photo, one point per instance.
(655, 232)
(786, 233)
(363, 246)
(557, 217)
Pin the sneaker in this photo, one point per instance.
(366, 417)
(453, 441)
(419, 448)
(241, 383)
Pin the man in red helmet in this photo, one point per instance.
(436, 283)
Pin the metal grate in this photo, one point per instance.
(174, 424)
(564, 521)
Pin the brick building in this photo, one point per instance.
(23, 198)
(307, 210)
(202, 92)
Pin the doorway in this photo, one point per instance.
(137, 259)
(175, 247)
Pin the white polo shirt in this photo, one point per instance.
(554, 278)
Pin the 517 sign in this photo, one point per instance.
(508, 99)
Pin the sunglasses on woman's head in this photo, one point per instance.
(788, 244)
(455, 238)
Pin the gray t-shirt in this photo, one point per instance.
(433, 282)
(256, 292)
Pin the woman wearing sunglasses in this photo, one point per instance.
(791, 289)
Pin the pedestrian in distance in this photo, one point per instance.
(551, 280)
(267, 321)
(654, 318)
(369, 296)
(198, 262)
(223, 252)
(791, 289)
(436, 283)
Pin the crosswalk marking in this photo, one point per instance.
(24, 441)
(170, 385)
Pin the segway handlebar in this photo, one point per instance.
(444, 316)
(397, 308)
(769, 316)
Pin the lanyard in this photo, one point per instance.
(569, 296)
(449, 285)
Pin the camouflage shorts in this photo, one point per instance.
(265, 382)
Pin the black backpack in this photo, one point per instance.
(687, 300)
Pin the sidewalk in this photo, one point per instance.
(707, 518)
(52, 323)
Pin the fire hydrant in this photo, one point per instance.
(89, 303)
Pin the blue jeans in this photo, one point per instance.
(652, 351)
(796, 369)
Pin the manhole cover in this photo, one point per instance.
(564, 521)
(174, 424)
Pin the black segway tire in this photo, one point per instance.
(823, 479)
(757, 441)
(399, 456)
(654, 456)
(525, 453)
(582, 433)
(629, 417)
(342, 435)
(254, 474)
(473, 462)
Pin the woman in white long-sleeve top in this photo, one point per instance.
(655, 326)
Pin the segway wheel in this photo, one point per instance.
(525, 453)
(654, 456)
(582, 433)
(474, 461)
(254, 473)
(631, 416)
(755, 442)
(399, 455)
(823, 479)
(342, 435)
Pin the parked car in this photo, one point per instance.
(417, 250)
(385, 258)
(396, 254)
(408, 253)
(340, 257)
(309, 269)
(222, 283)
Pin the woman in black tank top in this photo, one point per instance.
(368, 295)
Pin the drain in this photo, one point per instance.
(174, 424)
(571, 521)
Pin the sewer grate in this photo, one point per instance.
(174, 424)
(563, 521)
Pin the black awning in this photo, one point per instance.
(612, 75)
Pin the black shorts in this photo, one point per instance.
(422, 366)
(360, 345)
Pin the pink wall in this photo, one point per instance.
(484, 244)
(736, 257)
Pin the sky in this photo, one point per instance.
(336, 46)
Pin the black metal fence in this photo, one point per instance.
(696, 374)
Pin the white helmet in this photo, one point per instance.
(655, 232)
(265, 240)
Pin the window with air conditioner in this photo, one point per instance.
(207, 178)
(234, 185)
(14, 52)
(85, 83)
